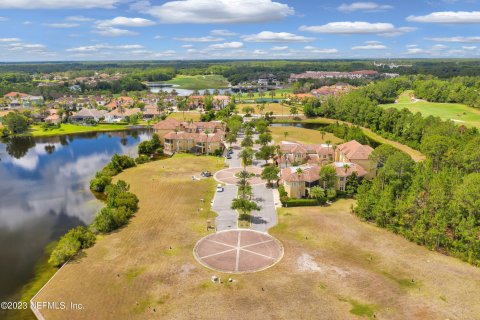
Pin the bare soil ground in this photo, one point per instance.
(334, 267)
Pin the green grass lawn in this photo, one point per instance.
(457, 112)
(199, 82)
(279, 94)
(38, 131)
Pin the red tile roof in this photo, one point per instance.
(354, 150)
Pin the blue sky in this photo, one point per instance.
(46, 30)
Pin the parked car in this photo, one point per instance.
(219, 188)
(206, 174)
(228, 156)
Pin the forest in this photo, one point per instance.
(436, 202)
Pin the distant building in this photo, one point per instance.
(86, 114)
(22, 100)
(334, 75)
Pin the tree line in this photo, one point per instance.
(436, 202)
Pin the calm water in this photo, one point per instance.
(44, 192)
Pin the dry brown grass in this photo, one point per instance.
(302, 135)
(185, 116)
(276, 108)
(133, 273)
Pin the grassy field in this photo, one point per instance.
(335, 266)
(459, 113)
(415, 154)
(302, 135)
(37, 131)
(199, 82)
(276, 108)
(185, 116)
(279, 94)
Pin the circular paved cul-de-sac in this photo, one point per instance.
(238, 251)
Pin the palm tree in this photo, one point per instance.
(247, 156)
(334, 150)
(346, 166)
(285, 134)
(261, 107)
(322, 133)
(272, 94)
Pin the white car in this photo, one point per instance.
(219, 188)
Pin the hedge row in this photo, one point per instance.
(121, 206)
(301, 203)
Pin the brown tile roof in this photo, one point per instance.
(346, 169)
(308, 173)
(354, 150)
(168, 124)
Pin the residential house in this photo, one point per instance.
(86, 114)
(22, 100)
(199, 143)
(297, 181)
(53, 117)
(355, 152)
(150, 111)
(345, 170)
(220, 102)
(118, 115)
(294, 153)
(166, 126)
(301, 164)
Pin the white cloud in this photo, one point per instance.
(219, 11)
(223, 33)
(114, 32)
(456, 39)
(279, 48)
(125, 22)
(469, 47)
(25, 47)
(167, 53)
(10, 40)
(312, 49)
(200, 39)
(27, 22)
(363, 6)
(358, 27)
(226, 45)
(415, 51)
(187, 46)
(62, 25)
(158, 37)
(455, 17)
(269, 36)
(438, 47)
(98, 47)
(370, 45)
(57, 4)
(259, 52)
(78, 19)
(3, 19)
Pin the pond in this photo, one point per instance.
(44, 192)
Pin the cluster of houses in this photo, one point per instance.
(334, 75)
(300, 165)
(15, 100)
(192, 137)
(335, 90)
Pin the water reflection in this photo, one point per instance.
(44, 192)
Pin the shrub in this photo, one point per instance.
(151, 146)
(68, 246)
(142, 159)
(100, 182)
(302, 202)
(110, 219)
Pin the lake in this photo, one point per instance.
(44, 191)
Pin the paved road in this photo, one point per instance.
(267, 216)
(227, 218)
